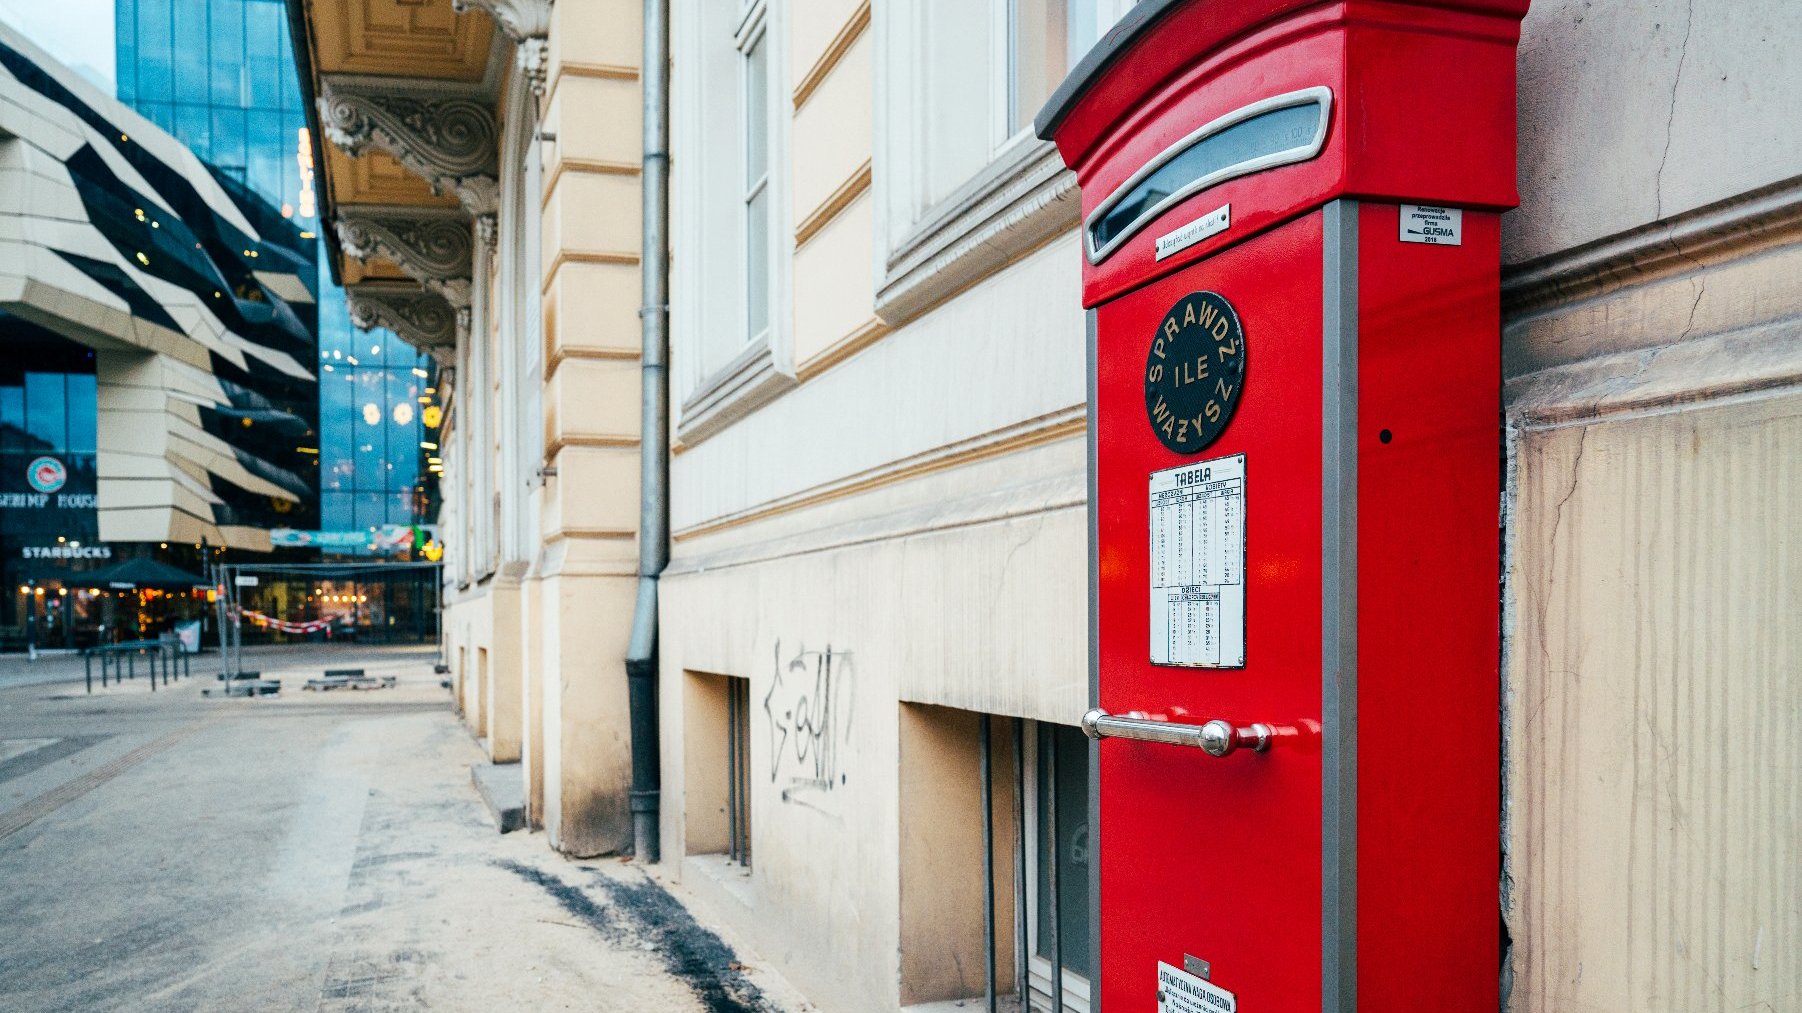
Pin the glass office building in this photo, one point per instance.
(372, 425)
(220, 75)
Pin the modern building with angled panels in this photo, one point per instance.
(159, 388)
(220, 76)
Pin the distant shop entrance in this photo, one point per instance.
(76, 606)
(364, 603)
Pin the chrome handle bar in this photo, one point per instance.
(1216, 738)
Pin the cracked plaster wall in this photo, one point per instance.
(1634, 112)
(1652, 349)
(1654, 796)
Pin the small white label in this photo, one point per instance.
(1211, 224)
(1198, 564)
(1435, 226)
(247, 580)
(1182, 992)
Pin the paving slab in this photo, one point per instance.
(313, 851)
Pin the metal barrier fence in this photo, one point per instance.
(121, 661)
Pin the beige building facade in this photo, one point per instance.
(876, 467)
(482, 167)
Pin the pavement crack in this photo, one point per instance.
(692, 953)
(571, 899)
(645, 912)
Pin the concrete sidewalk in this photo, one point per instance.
(18, 669)
(312, 851)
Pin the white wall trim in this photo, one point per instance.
(1022, 200)
(744, 384)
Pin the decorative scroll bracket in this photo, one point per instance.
(425, 320)
(444, 133)
(432, 245)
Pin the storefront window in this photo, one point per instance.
(1068, 796)
(49, 529)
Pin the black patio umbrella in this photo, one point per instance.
(142, 573)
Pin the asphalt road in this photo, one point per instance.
(311, 851)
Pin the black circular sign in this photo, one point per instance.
(1195, 372)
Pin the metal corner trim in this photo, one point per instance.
(1339, 609)
(1094, 532)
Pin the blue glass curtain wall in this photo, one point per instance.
(220, 76)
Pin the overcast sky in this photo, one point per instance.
(77, 32)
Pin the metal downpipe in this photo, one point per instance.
(653, 512)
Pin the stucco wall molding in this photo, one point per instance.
(423, 319)
(1737, 227)
(520, 19)
(1758, 361)
(432, 245)
(443, 132)
(1065, 423)
(749, 381)
(1013, 207)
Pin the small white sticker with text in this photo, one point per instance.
(1182, 992)
(1211, 224)
(1434, 226)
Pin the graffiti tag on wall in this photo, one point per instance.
(808, 706)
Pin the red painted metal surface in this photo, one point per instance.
(1429, 839)
(1222, 857)
(1217, 857)
(1423, 112)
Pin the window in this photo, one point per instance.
(755, 90)
(728, 211)
(1015, 871)
(1045, 39)
(518, 292)
(227, 63)
(1014, 52)
(963, 186)
(155, 46)
(738, 771)
(1058, 827)
(369, 431)
(717, 787)
(190, 52)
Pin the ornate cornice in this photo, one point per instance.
(423, 319)
(534, 60)
(431, 244)
(528, 24)
(520, 19)
(444, 133)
